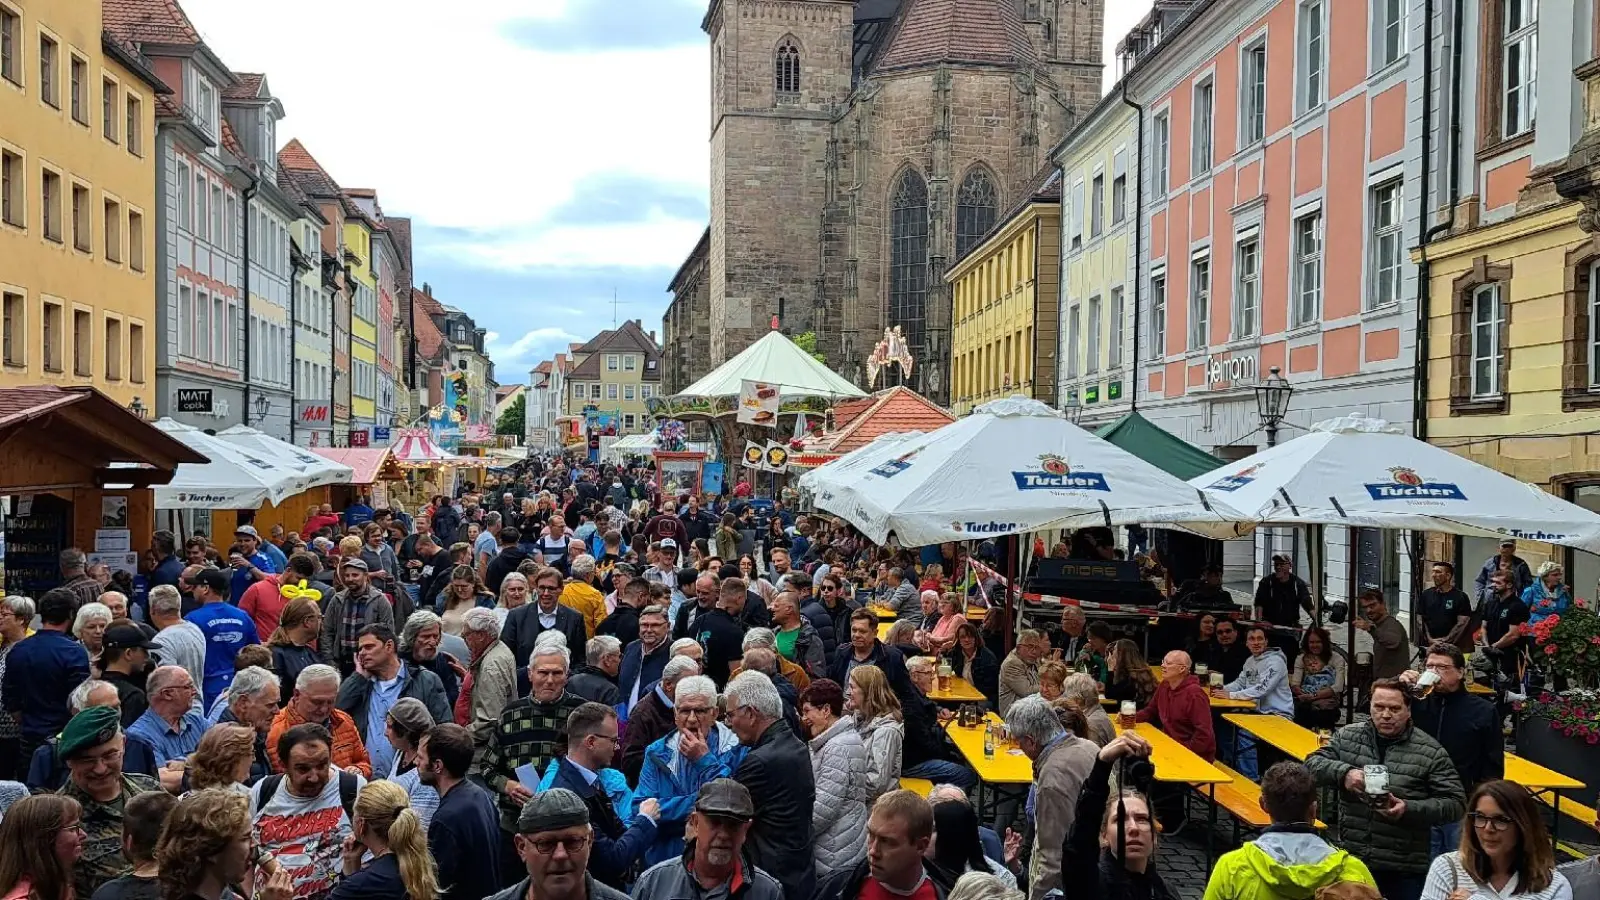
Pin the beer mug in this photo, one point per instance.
(945, 671)
(1216, 680)
(1425, 684)
(1377, 780)
(1201, 670)
(1127, 713)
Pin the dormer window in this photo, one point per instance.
(205, 105)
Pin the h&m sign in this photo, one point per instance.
(313, 414)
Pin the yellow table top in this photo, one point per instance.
(1216, 703)
(1279, 732)
(1009, 765)
(959, 691)
(1482, 689)
(1174, 762)
(885, 612)
(921, 786)
(883, 630)
(1536, 777)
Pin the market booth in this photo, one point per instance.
(77, 466)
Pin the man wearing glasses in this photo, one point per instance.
(1467, 727)
(172, 726)
(552, 840)
(617, 846)
(525, 623)
(715, 865)
(92, 745)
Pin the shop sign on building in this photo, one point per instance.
(1230, 371)
(194, 400)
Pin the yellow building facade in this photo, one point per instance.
(613, 376)
(1098, 262)
(363, 322)
(77, 204)
(1005, 296)
(1513, 378)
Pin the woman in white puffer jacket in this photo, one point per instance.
(839, 767)
(878, 720)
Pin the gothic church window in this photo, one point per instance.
(787, 67)
(975, 210)
(908, 258)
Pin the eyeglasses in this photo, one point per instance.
(547, 846)
(695, 712)
(1490, 823)
(1440, 667)
(109, 758)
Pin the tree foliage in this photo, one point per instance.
(807, 341)
(514, 420)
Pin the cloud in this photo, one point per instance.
(597, 25)
(513, 360)
(538, 145)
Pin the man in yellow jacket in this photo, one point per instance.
(581, 595)
(1290, 860)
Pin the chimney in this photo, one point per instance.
(427, 288)
(653, 337)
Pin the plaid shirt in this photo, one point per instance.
(528, 732)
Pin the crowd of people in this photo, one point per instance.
(567, 686)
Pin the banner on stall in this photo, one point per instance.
(775, 458)
(755, 455)
(758, 404)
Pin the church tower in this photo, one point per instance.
(780, 71)
(1068, 36)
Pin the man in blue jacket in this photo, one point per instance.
(464, 836)
(42, 670)
(618, 847)
(643, 659)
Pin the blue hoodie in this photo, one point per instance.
(673, 782)
(1265, 679)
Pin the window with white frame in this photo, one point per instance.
(1313, 55)
(1253, 93)
(1161, 155)
(612, 363)
(1097, 205)
(627, 392)
(1487, 355)
(578, 391)
(1119, 199)
(202, 325)
(1388, 245)
(594, 392)
(1593, 301)
(1247, 286)
(1072, 342)
(1199, 303)
(646, 391)
(1519, 65)
(611, 392)
(1158, 315)
(1114, 350)
(627, 420)
(1204, 107)
(1091, 353)
(1388, 31)
(630, 363)
(1307, 268)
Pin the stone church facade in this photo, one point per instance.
(858, 148)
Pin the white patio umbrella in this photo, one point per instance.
(313, 470)
(1013, 466)
(1367, 473)
(236, 478)
(854, 463)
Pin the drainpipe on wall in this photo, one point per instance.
(1138, 240)
(1428, 234)
(249, 194)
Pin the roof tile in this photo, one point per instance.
(247, 87)
(307, 172)
(857, 423)
(149, 21)
(972, 31)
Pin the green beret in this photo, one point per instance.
(90, 728)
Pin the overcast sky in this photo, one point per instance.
(552, 154)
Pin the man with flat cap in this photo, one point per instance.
(714, 864)
(552, 840)
(92, 745)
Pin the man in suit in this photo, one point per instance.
(525, 623)
(618, 846)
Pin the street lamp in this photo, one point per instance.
(1072, 408)
(262, 404)
(1272, 402)
(137, 407)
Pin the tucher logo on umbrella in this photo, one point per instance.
(1237, 480)
(1056, 475)
(1408, 485)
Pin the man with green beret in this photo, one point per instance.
(92, 745)
(553, 840)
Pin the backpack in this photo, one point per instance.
(348, 785)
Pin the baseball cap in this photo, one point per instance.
(213, 579)
(1508, 542)
(354, 562)
(126, 637)
(623, 568)
(669, 542)
(249, 530)
(726, 798)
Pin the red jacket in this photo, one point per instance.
(1184, 714)
(317, 523)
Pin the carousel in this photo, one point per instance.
(757, 407)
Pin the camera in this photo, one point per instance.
(1137, 774)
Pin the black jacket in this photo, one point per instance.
(827, 628)
(845, 884)
(1469, 730)
(618, 845)
(440, 666)
(432, 579)
(985, 670)
(688, 612)
(777, 772)
(590, 683)
(523, 627)
(1081, 853)
(885, 657)
(622, 624)
(355, 695)
(504, 563)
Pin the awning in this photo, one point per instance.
(55, 437)
(235, 477)
(774, 360)
(315, 471)
(364, 461)
(1158, 447)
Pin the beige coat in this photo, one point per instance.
(1018, 678)
(1059, 774)
(494, 684)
